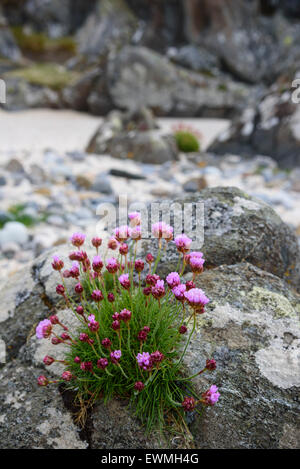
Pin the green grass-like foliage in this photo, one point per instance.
(163, 393)
(186, 141)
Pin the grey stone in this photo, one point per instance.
(195, 58)
(139, 77)
(15, 232)
(238, 227)
(252, 329)
(32, 417)
(102, 184)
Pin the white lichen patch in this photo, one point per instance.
(2, 419)
(274, 302)
(280, 361)
(62, 424)
(18, 400)
(241, 204)
(281, 367)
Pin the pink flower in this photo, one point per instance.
(57, 263)
(149, 258)
(86, 366)
(77, 239)
(196, 264)
(136, 233)
(67, 376)
(78, 288)
(151, 279)
(74, 271)
(106, 343)
(111, 297)
(102, 363)
(157, 356)
(173, 279)
(211, 364)
(93, 325)
(44, 329)
(97, 264)
(135, 218)
(189, 404)
(139, 386)
(125, 315)
(42, 381)
(197, 299)
(197, 254)
(124, 281)
(60, 290)
(112, 265)
(144, 360)
(112, 244)
(122, 233)
(211, 396)
(123, 249)
(97, 295)
(179, 292)
(115, 356)
(48, 360)
(183, 243)
(182, 329)
(158, 291)
(162, 230)
(96, 242)
(139, 265)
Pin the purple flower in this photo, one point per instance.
(57, 263)
(106, 343)
(179, 292)
(48, 360)
(144, 360)
(86, 366)
(173, 279)
(97, 264)
(157, 356)
(139, 386)
(211, 396)
(124, 281)
(67, 376)
(115, 356)
(78, 288)
(197, 299)
(112, 244)
(96, 242)
(93, 325)
(122, 233)
(74, 271)
(196, 264)
(136, 233)
(162, 230)
(135, 218)
(44, 329)
(183, 243)
(189, 404)
(102, 363)
(158, 291)
(42, 381)
(123, 249)
(125, 315)
(211, 364)
(139, 265)
(97, 295)
(112, 265)
(77, 239)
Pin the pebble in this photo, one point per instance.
(14, 232)
(102, 185)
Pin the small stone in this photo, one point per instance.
(83, 181)
(195, 185)
(14, 166)
(15, 232)
(10, 250)
(2, 181)
(102, 184)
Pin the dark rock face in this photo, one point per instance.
(251, 328)
(8, 46)
(240, 228)
(272, 128)
(138, 77)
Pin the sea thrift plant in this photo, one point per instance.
(134, 327)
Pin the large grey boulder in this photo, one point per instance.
(134, 135)
(238, 228)
(271, 128)
(138, 77)
(252, 329)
